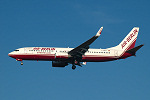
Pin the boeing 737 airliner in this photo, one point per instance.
(61, 57)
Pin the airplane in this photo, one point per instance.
(62, 57)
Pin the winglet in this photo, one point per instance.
(99, 32)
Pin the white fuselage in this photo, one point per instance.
(52, 53)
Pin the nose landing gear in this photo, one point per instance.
(73, 67)
(21, 62)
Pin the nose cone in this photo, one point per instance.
(10, 54)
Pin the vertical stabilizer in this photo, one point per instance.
(129, 41)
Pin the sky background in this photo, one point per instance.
(68, 23)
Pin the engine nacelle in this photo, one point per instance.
(59, 64)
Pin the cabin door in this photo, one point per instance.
(25, 50)
(116, 53)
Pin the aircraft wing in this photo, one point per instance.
(81, 49)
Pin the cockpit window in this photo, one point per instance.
(16, 50)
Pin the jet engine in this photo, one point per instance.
(59, 64)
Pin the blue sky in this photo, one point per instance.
(68, 23)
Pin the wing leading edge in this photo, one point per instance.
(77, 52)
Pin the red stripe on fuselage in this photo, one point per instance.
(51, 57)
(34, 56)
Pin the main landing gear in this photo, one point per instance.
(75, 62)
(73, 67)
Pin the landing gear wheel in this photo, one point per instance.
(21, 63)
(73, 67)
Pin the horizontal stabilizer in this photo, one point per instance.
(134, 50)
